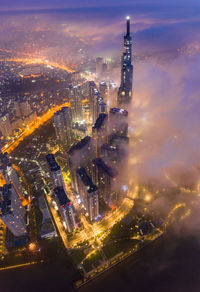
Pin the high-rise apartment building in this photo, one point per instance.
(5, 125)
(99, 132)
(96, 102)
(63, 126)
(103, 176)
(99, 66)
(22, 108)
(65, 208)
(118, 121)
(79, 154)
(9, 173)
(88, 194)
(55, 171)
(75, 98)
(12, 211)
(103, 90)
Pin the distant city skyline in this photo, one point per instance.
(158, 26)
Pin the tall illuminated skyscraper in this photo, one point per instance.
(96, 102)
(55, 171)
(103, 177)
(76, 105)
(9, 173)
(99, 66)
(65, 208)
(125, 89)
(88, 193)
(99, 132)
(78, 155)
(5, 125)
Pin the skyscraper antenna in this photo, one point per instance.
(128, 25)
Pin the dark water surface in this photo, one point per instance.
(167, 265)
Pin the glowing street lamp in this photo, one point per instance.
(32, 246)
(148, 197)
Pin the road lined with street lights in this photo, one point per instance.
(38, 122)
(58, 222)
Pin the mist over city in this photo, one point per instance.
(99, 139)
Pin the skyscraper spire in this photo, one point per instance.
(125, 89)
(128, 26)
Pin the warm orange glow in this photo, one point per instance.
(1, 222)
(23, 200)
(32, 246)
(112, 208)
(39, 121)
(21, 265)
(2, 180)
(39, 62)
(85, 101)
(148, 197)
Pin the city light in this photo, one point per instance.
(148, 197)
(30, 61)
(124, 188)
(32, 246)
(38, 122)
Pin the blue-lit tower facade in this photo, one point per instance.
(125, 89)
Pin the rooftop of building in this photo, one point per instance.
(80, 145)
(4, 158)
(86, 179)
(102, 102)
(6, 202)
(118, 111)
(99, 97)
(108, 147)
(92, 83)
(62, 197)
(100, 121)
(103, 83)
(107, 169)
(53, 165)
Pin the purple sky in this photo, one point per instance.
(37, 4)
(159, 24)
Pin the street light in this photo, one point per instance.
(32, 246)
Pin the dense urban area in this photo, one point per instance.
(64, 162)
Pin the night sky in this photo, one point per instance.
(157, 24)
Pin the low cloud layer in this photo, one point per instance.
(165, 118)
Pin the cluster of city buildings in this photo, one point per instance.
(94, 138)
(61, 202)
(95, 161)
(24, 115)
(12, 211)
(28, 91)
